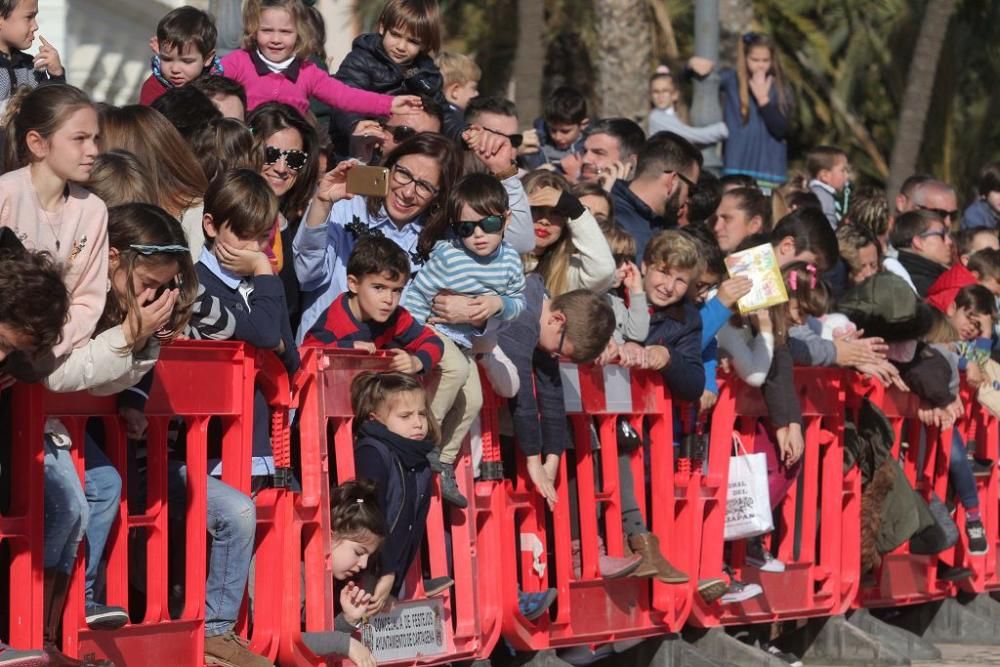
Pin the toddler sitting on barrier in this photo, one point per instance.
(394, 432)
(468, 257)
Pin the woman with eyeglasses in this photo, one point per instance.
(168, 161)
(422, 171)
(570, 249)
(289, 149)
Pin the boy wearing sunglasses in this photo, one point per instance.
(472, 260)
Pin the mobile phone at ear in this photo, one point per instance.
(368, 181)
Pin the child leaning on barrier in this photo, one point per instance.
(358, 530)
(33, 309)
(394, 431)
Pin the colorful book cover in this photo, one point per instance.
(760, 265)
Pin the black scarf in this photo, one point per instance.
(411, 453)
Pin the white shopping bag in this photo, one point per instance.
(748, 501)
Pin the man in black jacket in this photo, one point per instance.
(925, 246)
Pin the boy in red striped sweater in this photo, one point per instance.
(368, 316)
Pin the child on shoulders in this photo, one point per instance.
(184, 50)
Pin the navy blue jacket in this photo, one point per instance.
(404, 488)
(757, 148)
(678, 328)
(636, 217)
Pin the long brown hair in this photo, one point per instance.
(132, 225)
(269, 119)
(748, 42)
(179, 181)
(553, 265)
(42, 110)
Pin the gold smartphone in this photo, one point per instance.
(368, 181)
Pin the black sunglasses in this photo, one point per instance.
(400, 133)
(692, 185)
(940, 211)
(515, 139)
(491, 224)
(295, 159)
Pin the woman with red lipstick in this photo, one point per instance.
(570, 249)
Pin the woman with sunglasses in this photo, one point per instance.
(290, 151)
(422, 171)
(570, 249)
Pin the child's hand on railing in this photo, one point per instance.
(365, 346)
(359, 654)
(404, 362)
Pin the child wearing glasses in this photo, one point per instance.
(472, 260)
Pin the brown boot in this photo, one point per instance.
(653, 563)
(56, 589)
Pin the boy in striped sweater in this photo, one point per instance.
(474, 262)
(368, 316)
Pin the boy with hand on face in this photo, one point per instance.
(560, 132)
(18, 26)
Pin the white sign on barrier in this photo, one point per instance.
(410, 630)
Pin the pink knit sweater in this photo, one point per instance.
(302, 80)
(82, 231)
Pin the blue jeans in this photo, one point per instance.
(73, 511)
(232, 523)
(960, 474)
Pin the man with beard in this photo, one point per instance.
(610, 151)
(666, 172)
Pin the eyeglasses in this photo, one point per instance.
(705, 288)
(515, 139)
(491, 224)
(294, 159)
(947, 215)
(403, 176)
(943, 233)
(562, 341)
(400, 133)
(692, 185)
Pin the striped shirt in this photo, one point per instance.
(453, 268)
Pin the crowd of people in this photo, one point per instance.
(221, 208)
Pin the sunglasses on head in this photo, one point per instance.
(491, 224)
(294, 159)
(400, 133)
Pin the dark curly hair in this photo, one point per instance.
(35, 302)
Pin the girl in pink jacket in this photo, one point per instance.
(273, 65)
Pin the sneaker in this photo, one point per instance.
(977, 537)
(104, 617)
(501, 372)
(981, 467)
(712, 589)
(740, 592)
(231, 650)
(449, 487)
(790, 658)
(761, 558)
(533, 605)
(11, 657)
(437, 585)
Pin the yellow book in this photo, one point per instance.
(760, 265)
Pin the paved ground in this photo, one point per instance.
(956, 655)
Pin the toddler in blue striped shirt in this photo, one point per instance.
(469, 257)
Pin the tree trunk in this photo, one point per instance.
(530, 60)
(919, 88)
(705, 105)
(735, 17)
(625, 42)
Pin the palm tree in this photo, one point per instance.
(919, 89)
(625, 42)
(529, 62)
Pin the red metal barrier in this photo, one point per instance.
(905, 578)
(589, 609)
(222, 367)
(816, 525)
(325, 430)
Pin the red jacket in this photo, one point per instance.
(151, 90)
(943, 291)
